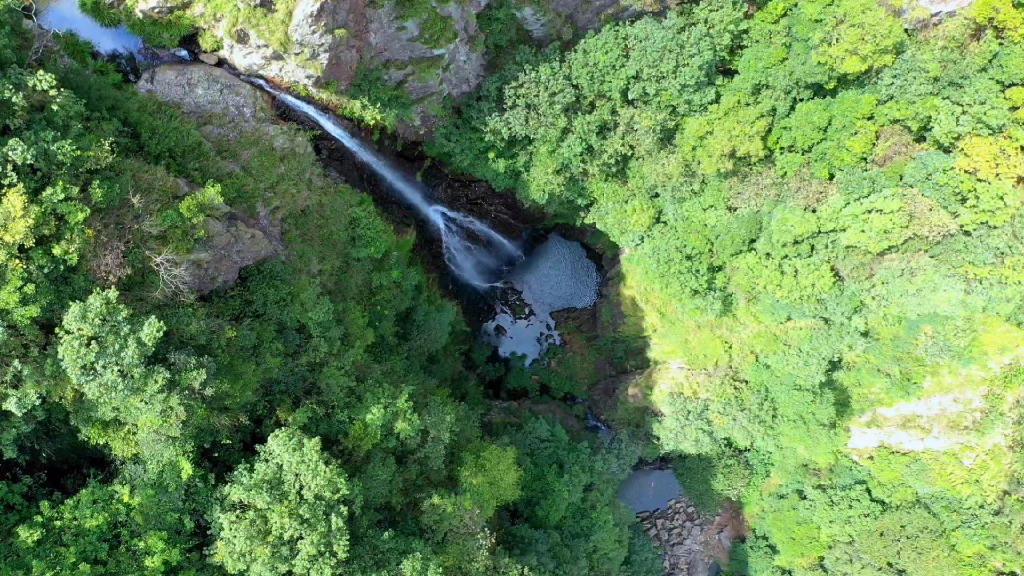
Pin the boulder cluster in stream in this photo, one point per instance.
(692, 544)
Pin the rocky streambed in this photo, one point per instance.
(691, 543)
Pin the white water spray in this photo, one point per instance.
(472, 250)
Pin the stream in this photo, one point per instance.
(474, 252)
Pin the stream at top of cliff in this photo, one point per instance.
(65, 16)
(115, 43)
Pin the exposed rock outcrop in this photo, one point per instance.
(431, 54)
(943, 7)
(691, 542)
(232, 242)
(204, 91)
(431, 50)
(322, 44)
(228, 108)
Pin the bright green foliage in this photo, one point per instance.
(1001, 15)
(121, 399)
(572, 523)
(855, 36)
(41, 220)
(819, 212)
(268, 21)
(284, 513)
(388, 103)
(104, 529)
(613, 96)
(490, 478)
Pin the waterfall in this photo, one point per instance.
(475, 252)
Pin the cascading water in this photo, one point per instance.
(476, 253)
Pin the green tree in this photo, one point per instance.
(117, 396)
(284, 513)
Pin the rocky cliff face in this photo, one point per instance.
(228, 108)
(428, 48)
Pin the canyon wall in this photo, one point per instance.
(426, 49)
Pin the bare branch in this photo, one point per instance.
(174, 274)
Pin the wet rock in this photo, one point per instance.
(698, 564)
(687, 547)
(210, 59)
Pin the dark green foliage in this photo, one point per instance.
(709, 480)
(436, 30)
(501, 28)
(571, 522)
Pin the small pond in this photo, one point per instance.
(556, 276)
(648, 489)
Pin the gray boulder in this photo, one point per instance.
(322, 46)
(204, 92)
(228, 108)
(232, 242)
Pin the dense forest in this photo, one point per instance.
(817, 206)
